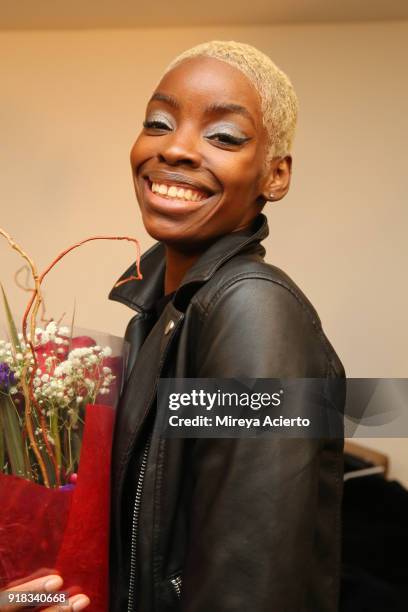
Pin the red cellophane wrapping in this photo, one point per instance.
(67, 531)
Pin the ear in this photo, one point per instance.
(277, 178)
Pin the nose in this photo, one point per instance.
(181, 147)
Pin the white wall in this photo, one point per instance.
(72, 103)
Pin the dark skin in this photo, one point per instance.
(203, 131)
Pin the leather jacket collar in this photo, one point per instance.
(142, 294)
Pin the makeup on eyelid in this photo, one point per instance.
(226, 133)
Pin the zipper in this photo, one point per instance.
(136, 507)
(135, 523)
(177, 582)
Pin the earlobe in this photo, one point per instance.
(278, 178)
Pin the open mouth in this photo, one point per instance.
(177, 191)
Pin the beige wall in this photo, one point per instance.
(72, 102)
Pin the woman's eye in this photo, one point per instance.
(228, 139)
(156, 125)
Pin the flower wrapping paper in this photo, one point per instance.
(64, 530)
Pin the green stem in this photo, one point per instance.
(69, 450)
(12, 436)
(27, 462)
(2, 449)
(56, 436)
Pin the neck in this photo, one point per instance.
(177, 265)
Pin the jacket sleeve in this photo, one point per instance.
(264, 532)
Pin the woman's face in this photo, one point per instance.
(199, 162)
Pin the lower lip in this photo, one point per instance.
(171, 205)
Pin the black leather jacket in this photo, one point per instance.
(223, 525)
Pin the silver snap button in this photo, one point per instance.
(169, 327)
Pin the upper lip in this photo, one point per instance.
(184, 180)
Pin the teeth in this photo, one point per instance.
(171, 191)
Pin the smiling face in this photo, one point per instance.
(199, 162)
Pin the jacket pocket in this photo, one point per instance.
(176, 582)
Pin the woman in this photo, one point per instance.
(219, 525)
(214, 525)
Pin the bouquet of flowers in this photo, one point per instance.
(58, 391)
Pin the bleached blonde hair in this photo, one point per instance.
(279, 103)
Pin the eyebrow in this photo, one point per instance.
(215, 107)
(162, 97)
(219, 107)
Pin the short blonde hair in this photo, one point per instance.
(278, 99)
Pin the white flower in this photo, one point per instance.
(66, 367)
(51, 328)
(64, 331)
(19, 357)
(107, 351)
(45, 377)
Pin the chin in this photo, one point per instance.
(175, 234)
(163, 229)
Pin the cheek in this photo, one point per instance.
(241, 172)
(140, 151)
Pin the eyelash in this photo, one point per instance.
(227, 138)
(158, 125)
(220, 137)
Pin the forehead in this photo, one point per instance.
(205, 80)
